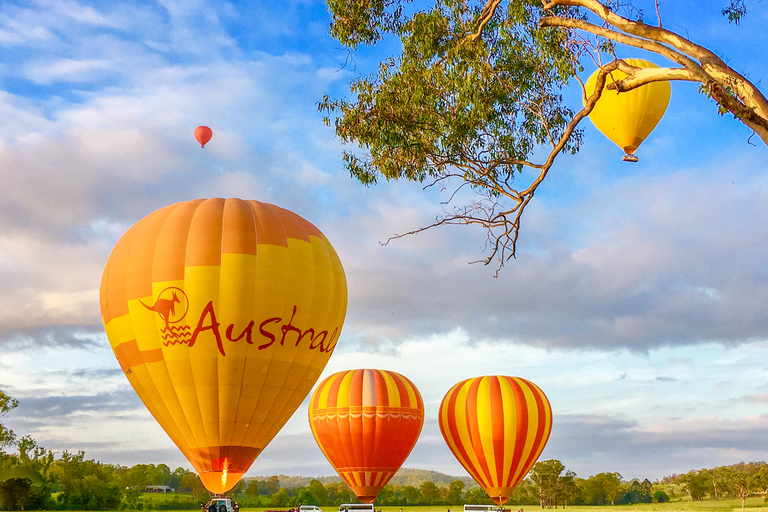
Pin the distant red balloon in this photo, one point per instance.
(203, 134)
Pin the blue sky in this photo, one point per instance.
(637, 301)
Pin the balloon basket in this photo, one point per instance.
(629, 158)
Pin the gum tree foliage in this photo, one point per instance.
(602, 489)
(85, 484)
(7, 404)
(22, 493)
(553, 488)
(474, 97)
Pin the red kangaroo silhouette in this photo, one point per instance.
(164, 307)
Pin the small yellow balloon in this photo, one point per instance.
(627, 118)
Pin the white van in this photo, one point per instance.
(480, 508)
(222, 504)
(357, 507)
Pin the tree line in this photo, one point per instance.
(33, 478)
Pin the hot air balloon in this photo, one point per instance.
(366, 423)
(203, 134)
(496, 427)
(223, 313)
(627, 118)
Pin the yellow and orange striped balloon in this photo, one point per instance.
(366, 422)
(497, 427)
(223, 313)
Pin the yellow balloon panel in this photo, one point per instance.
(222, 314)
(627, 118)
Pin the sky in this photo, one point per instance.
(637, 301)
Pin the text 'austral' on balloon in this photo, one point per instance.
(317, 340)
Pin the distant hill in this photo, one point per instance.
(415, 477)
(405, 476)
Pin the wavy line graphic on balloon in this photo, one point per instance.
(173, 335)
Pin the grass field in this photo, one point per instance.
(755, 504)
(730, 505)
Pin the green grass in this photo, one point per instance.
(755, 504)
(729, 505)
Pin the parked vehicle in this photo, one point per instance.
(220, 504)
(481, 508)
(357, 507)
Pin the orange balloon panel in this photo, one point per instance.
(366, 422)
(496, 427)
(223, 313)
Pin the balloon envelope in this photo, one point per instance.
(496, 427)
(203, 134)
(366, 422)
(223, 313)
(627, 118)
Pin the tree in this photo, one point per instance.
(411, 494)
(695, 484)
(7, 404)
(279, 498)
(387, 496)
(338, 493)
(22, 494)
(476, 94)
(721, 478)
(191, 481)
(176, 479)
(477, 496)
(271, 485)
(455, 494)
(85, 484)
(29, 490)
(567, 488)
(318, 491)
(744, 485)
(602, 488)
(637, 492)
(430, 494)
(545, 475)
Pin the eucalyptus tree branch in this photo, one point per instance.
(751, 106)
(485, 16)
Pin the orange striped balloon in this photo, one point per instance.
(222, 314)
(366, 422)
(497, 427)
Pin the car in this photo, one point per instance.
(484, 508)
(309, 508)
(357, 507)
(222, 504)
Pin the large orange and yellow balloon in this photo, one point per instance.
(223, 313)
(628, 118)
(366, 422)
(496, 427)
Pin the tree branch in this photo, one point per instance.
(725, 94)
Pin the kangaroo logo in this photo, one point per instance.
(172, 305)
